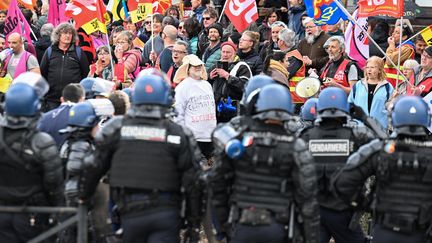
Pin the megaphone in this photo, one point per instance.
(307, 87)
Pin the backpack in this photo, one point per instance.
(387, 87)
(78, 52)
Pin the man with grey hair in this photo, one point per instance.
(44, 41)
(296, 67)
(179, 50)
(63, 63)
(311, 47)
(271, 46)
(340, 71)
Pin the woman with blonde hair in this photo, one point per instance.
(372, 92)
(128, 57)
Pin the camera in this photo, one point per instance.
(222, 65)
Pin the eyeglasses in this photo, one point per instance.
(206, 18)
(103, 53)
(147, 22)
(242, 39)
(178, 52)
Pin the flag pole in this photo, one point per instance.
(152, 35)
(110, 53)
(345, 11)
(222, 12)
(400, 50)
(418, 33)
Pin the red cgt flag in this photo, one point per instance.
(241, 13)
(393, 8)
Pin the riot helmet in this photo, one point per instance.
(87, 114)
(253, 87)
(332, 102)
(96, 87)
(274, 102)
(309, 110)
(151, 90)
(23, 96)
(410, 112)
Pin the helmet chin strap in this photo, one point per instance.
(18, 122)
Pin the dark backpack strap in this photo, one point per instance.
(387, 87)
(78, 52)
(354, 89)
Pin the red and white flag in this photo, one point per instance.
(241, 13)
(393, 8)
(88, 14)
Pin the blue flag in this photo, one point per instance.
(324, 11)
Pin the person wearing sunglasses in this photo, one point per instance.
(209, 17)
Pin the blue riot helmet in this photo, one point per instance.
(23, 96)
(21, 100)
(410, 112)
(87, 114)
(333, 102)
(87, 84)
(96, 87)
(253, 87)
(151, 90)
(274, 102)
(254, 83)
(309, 110)
(35, 80)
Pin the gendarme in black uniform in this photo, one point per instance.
(31, 173)
(255, 193)
(152, 162)
(402, 168)
(330, 141)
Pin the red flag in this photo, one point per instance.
(159, 6)
(241, 13)
(393, 8)
(15, 22)
(88, 14)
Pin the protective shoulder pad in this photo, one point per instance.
(363, 132)
(81, 147)
(363, 154)
(302, 154)
(109, 128)
(44, 145)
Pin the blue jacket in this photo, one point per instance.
(378, 109)
(55, 120)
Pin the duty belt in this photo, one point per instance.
(143, 201)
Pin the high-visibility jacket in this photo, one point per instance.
(299, 75)
(391, 71)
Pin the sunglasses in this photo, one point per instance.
(206, 18)
(147, 22)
